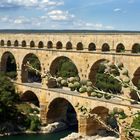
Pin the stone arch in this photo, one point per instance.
(23, 43)
(9, 43)
(69, 46)
(32, 44)
(2, 43)
(57, 63)
(30, 97)
(49, 45)
(40, 44)
(16, 43)
(94, 69)
(120, 48)
(136, 76)
(92, 47)
(136, 48)
(105, 47)
(61, 110)
(8, 64)
(27, 75)
(79, 46)
(59, 45)
(93, 126)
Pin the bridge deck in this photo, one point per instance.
(114, 100)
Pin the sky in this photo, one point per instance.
(70, 14)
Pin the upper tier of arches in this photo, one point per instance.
(79, 46)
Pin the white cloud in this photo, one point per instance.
(58, 15)
(117, 10)
(29, 3)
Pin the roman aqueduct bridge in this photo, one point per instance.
(85, 50)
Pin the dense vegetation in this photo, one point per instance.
(11, 117)
(105, 82)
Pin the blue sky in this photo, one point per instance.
(70, 14)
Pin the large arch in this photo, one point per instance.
(120, 48)
(136, 48)
(94, 69)
(94, 126)
(29, 75)
(70, 68)
(30, 97)
(61, 110)
(105, 47)
(8, 64)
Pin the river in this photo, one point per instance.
(53, 136)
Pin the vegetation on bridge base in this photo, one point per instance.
(11, 117)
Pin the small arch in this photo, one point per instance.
(49, 45)
(59, 45)
(120, 48)
(61, 110)
(32, 44)
(30, 97)
(105, 47)
(136, 48)
(40, 44)
(80, 46)
(16, 43)
(92, 47)
(2, 43)
(69, 45)
(9, 43)
(23, 44)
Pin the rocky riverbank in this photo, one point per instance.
(77, 136)
(50, 128)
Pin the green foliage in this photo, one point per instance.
(136, 121)
(107, 83)
(66, 69)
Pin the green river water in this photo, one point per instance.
(53, 136)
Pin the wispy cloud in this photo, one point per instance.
(117, 10)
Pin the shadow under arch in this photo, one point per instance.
(94, 127)
(8, 64)
(94, 69)
(30, 97)
(28, 75)
(120, 48)
(61, 110)
(105, 47)
(136, 48)
(64, 67)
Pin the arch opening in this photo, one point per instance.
(23, 43)
(31, 98)
(92, 47)
(79, 46)
(120, 48)
(8, 65)
(105, 47)
(104, 81)
(69, 45)
(63, 67)
(32, 44)
(94, 127)
(136, 48)
(49, 45)
(16, 43)
(59, 45)
(61, 110)
(29, 75)
(2, 42)
(40, 44)
(9, 43)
